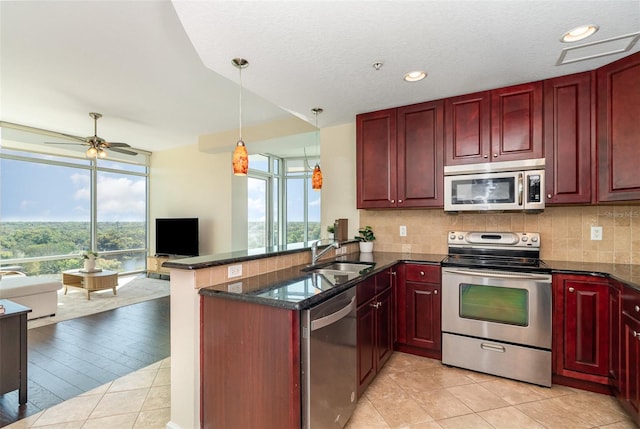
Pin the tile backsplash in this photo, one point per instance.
(565, 231)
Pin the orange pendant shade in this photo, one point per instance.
(241, 159)
(316, 178)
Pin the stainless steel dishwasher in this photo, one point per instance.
(329, 362)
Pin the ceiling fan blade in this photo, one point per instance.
(125, 151)
(117, 145)
(77, 144)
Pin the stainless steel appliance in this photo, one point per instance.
(497, 305)
(329, 362)
(509, 185)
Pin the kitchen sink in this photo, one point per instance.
(337, 268)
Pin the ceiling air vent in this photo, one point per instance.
(614, 45)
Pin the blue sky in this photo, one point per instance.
(42, 192)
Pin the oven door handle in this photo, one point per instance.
(493, 274)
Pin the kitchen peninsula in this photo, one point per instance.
(205, 277)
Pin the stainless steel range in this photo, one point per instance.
(497, 305)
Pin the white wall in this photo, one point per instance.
(185, 182)
(338, 162)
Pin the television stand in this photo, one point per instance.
(154, 265)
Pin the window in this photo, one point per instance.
(279, 193)
(54, 207)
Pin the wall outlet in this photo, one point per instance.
(403, 231)
(234, 271)
(596, 233)
(235, 287)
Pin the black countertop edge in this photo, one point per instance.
(207, 261)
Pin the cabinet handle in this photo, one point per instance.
(486, 156)
(375, 304)
(636, 334)
(495, 155)
(393, 201)
(637, 308)
(422, 273)
(549, 196)
(435, 292)
(571, 289)
(399, 201)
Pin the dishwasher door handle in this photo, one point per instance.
(333, 317)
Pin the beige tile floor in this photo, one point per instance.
(140, 400)
(411, 392)
(419, 393)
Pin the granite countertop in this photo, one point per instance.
(296, 289)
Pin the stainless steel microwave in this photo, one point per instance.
(502, 186)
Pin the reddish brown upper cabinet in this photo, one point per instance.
(581, 326)
(419, 309)
(420, 155)
(399, 157)
(568, 143)
(504, 124)
(468, 128)
(629, 392)
(376, 159)
(618, 130)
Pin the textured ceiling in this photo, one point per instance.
(161, 75)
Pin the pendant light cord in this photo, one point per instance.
(240, 118)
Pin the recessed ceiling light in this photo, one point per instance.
(415, 76)
(579, 33)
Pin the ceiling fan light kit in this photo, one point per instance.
(97, 145)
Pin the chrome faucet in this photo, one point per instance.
(314, 250)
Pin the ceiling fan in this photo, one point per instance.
(97, 145)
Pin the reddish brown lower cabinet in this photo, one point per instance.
(629, 393)
(419, 308)
(375, 326)
(250, 365)
(581, 328)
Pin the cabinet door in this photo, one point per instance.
(420, 139)
(586, 326)
(567, 139)
(376, 167)
(384, 332)
(468, 128)
(516, 122)
(366, 327)
(618, 130)
(630, 380)
(423, 315)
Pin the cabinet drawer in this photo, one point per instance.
(423, 273)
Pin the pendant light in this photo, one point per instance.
(316, 177)
(240, 155)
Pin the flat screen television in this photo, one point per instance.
(177, 237)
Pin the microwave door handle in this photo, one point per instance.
(520, 188)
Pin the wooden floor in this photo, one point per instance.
(77, 355)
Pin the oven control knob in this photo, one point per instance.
(452, 237)
(525, 239)
(534, 239)
(460, 237)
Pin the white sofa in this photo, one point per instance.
(39, 294)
